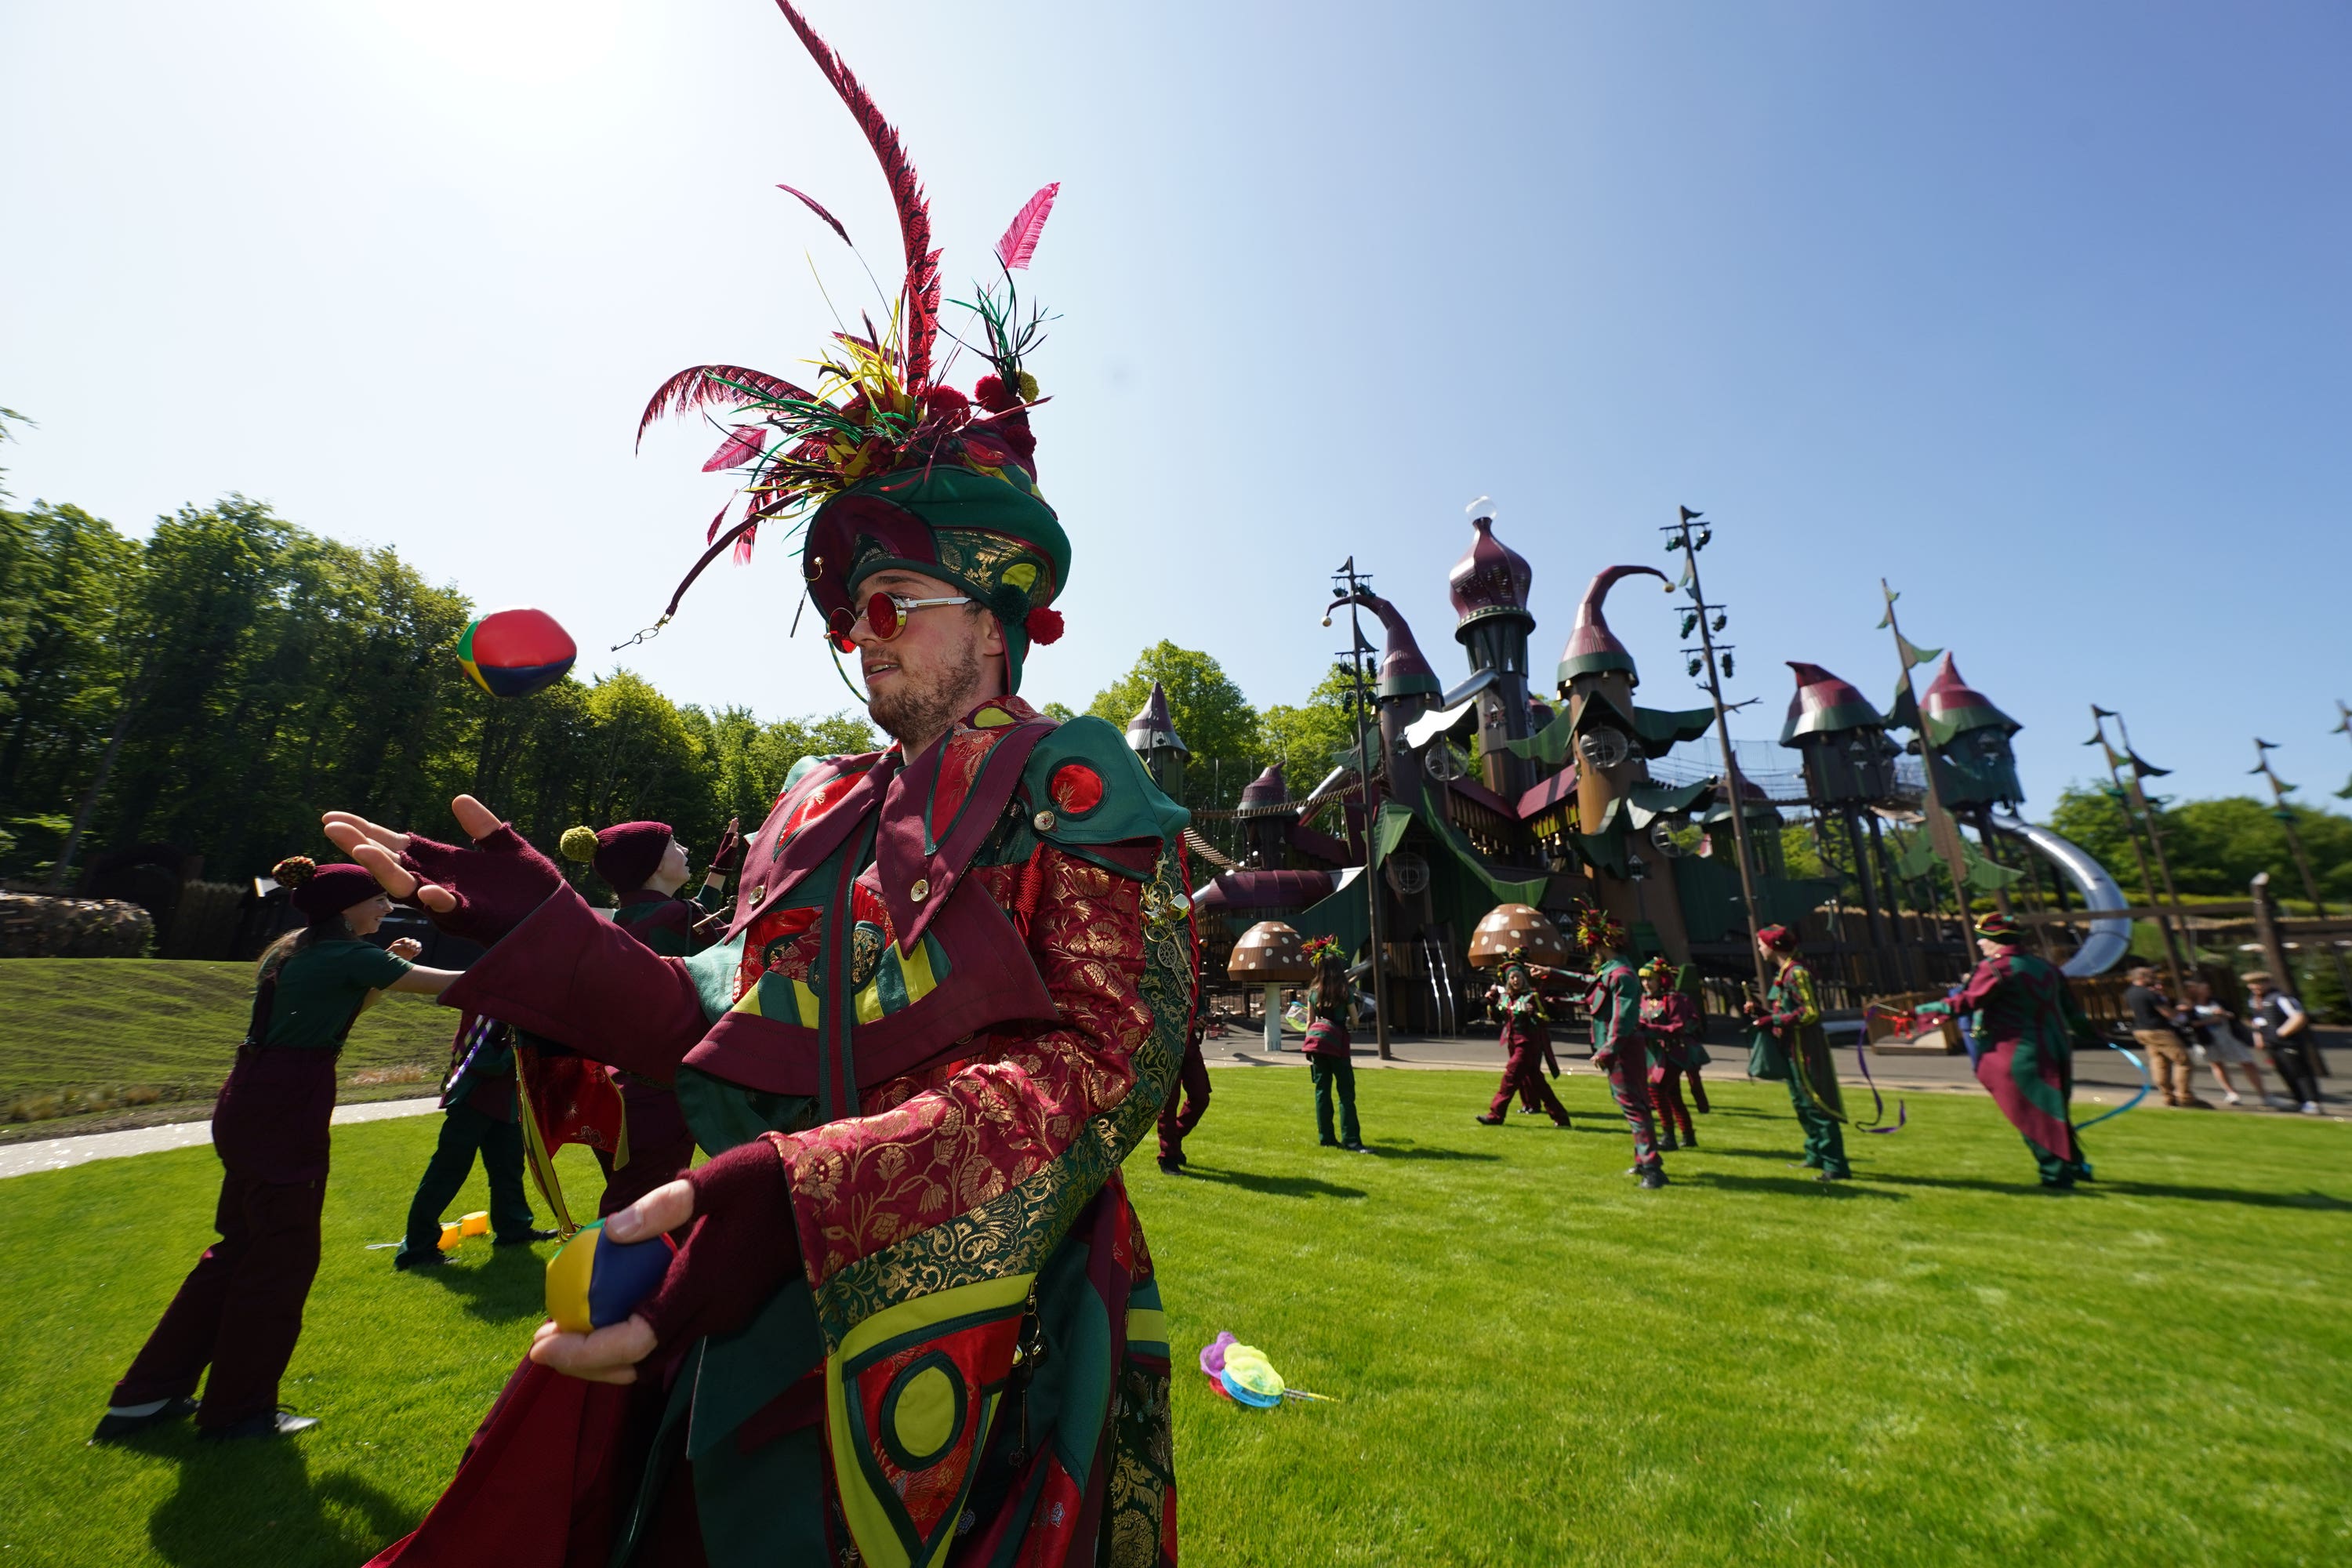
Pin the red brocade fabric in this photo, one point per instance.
(961, 1133)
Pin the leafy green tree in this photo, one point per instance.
(1211, 717)
(1302, 738)
(2215, 847)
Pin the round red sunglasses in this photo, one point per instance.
(885, 613)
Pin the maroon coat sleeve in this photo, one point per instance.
(584, 981)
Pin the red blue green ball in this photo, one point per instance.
(513, 653)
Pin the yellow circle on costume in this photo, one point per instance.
(923, 1416)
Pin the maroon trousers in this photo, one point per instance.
(1629, 1081)
(661, 1145)
(1667, 1102)
(1523, 1073)
(1191, 1087)
(240, 1308)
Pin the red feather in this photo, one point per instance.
(707, 386)
(922, 285)
(743, 443)
(1019, 241)
(818, 207)
(715, 521)
(743, 541)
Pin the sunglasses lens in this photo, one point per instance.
(882, 615)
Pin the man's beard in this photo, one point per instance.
(907, 708)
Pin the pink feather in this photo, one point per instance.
(743, 542)
(743, 443)
(1019, 241)
(716, 521)
(818, 207)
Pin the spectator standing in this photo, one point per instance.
(2226, 1041)
(2284, 1030)
(2155, 1025)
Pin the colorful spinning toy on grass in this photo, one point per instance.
(1241, 1374)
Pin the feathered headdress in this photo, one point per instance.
(1597, 930)
(2000, 928)
(883, 463)
(1319, 948)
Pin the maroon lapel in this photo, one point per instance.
(776, 862)
(903, 849)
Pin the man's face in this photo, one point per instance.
(939, 665)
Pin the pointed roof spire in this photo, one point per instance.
(1269, 788)
(1403, 671)
(1825, 705)
(1592, 647)
(1491, 580)
(1951, 707)
(1151, 730)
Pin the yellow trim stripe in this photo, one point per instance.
(1147, 1324)
(876, 1536)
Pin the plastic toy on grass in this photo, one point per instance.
(513, 653)
(594, 1280)
(1241, 1374)
(454, 1231)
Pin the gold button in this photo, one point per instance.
(921, 890)
(759, 892)
(1044, 821)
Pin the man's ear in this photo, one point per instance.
(991, 641)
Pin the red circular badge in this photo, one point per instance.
(1076, 788)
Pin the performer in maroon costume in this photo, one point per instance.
(1529, 1043)
(1617, 1046)
(644, 863)
(1192, 1089)
(1670, 1020)
(240, 1309)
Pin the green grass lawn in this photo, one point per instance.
(1538, 1364)
(108, 1024)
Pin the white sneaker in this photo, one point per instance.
(2310, 1108)
(2230, 1095)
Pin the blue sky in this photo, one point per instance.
(2039, 312)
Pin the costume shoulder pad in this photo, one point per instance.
(1083, 786)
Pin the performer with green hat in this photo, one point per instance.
(1618, 1048)
(1788, 1044)
(2026, 1026)
(914, 1310)
(1525, 1040)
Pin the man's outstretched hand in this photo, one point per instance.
(479, 893)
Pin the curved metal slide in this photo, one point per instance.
(2108, 940)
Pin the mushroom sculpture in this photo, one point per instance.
(1509, 927)
(1274, 955)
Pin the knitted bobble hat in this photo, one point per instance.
(626, 855)
(323, 892)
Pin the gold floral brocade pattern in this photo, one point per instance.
(964, 1135)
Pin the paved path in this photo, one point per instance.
(59, 1153)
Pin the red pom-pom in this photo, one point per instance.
(1043, 626)
(991, 392)
(946, 404)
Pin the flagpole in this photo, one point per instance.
(2285, 814)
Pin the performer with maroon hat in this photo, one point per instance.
(913, 1312)
(240, 1309)
(2027, 1026)
(644, 863)
(1788, 1044)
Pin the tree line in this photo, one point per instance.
(215, 685)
